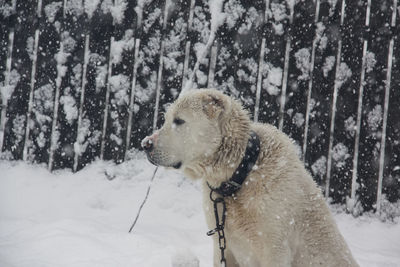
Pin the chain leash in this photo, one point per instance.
(220, 224)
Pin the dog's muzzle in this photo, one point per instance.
(148, 144)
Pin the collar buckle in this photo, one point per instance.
(228, 188)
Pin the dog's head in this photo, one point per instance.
(192, 130)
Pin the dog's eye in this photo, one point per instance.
(178, 121)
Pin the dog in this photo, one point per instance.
(278, 217)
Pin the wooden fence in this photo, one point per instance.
(83, 79)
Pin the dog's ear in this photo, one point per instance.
(213, 105)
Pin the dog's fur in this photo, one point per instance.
(278, 217)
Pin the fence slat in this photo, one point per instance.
(70, 74)
(90, 131)
(197, 37)
(121, 63)
(175, 32)
(347, 83)
(150, 25)
(373, 102)
(277, 23)
(7, 80)
(239, 50)
(379, 199)
(45, 84)
(60, 58)
(391, 172)
(299, 70)
(356, 183)
(80, 135)
(26, 153)
(132, 104)
(326, 50)
(5, 27)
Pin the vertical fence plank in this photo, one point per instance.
(121, 60)
(150, 23)
(239, 50)
(80, 131)
(347, 83)
(373, 101)
(89, 133)
(23, 57)
(302, 34)
(34, 49)
(6, 22)
(69, 68)
(198, 34)
(391, 172)
(356, 182)
(132, 104)
(8, 78)
(60, 58)
(166, 9)
(45, 84)
(323, 79)
(276, 28)
(176, 28)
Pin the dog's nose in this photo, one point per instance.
(149, 141)
(147, 144)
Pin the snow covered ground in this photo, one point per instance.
(82, 219)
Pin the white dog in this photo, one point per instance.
(277, 217)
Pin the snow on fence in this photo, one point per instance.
(83, 79)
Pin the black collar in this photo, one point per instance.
(231, 186)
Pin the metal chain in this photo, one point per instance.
(220, 225)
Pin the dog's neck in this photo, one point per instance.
(219, 167)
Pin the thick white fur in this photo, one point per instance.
(278, 218)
